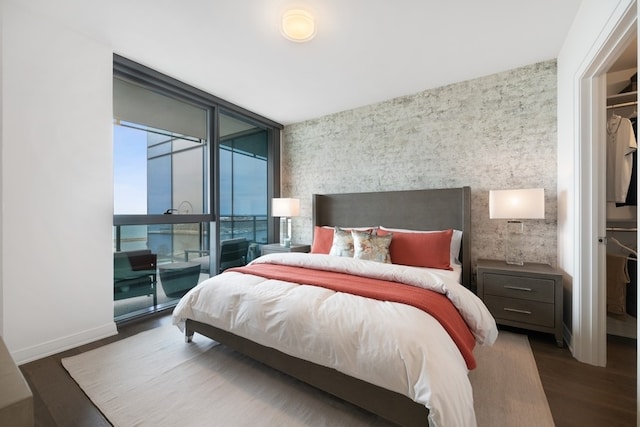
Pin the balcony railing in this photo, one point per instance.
(251, 227)
(169, 241)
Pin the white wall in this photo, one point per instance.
(577, 243)
(56, 176)
(1, 136)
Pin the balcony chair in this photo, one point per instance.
(233, 253)
(134, 275)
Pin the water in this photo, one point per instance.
(169, 242)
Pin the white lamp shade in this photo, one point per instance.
(516, 204)
(285, 207)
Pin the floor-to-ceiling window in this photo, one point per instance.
(188, 180)
(243, 154)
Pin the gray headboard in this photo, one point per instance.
(435, 209)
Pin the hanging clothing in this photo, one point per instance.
(621, 143)
(632, 194)
(632, 287)
(617, 279)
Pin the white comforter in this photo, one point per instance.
(392, 345)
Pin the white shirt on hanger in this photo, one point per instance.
(621, 143)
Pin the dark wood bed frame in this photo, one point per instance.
(435, 209)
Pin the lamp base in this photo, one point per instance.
(286, 243)
(285, 232)
(513, 252)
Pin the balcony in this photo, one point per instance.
(174, 244)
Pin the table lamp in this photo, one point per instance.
(285, 208)
(514, 206)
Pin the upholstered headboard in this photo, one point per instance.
(435, 209)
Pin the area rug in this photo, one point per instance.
(155, 379)
(507, 390)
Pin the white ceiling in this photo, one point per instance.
(365, 51)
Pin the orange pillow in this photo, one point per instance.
(322, 240)
(431, 250)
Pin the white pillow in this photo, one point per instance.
(456, 240)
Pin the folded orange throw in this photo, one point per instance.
(437, 305)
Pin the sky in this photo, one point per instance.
(249, 182)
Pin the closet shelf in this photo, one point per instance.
(622, 98)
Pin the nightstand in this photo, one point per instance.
(528, 296)
(277, 247)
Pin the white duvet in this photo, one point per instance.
(392, 345)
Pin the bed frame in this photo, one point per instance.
(435, 209)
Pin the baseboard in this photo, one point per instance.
(566, 335)
(623, 326)
(48, 348)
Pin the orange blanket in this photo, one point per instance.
(437, 305)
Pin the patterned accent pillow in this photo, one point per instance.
(371, 247)
(342, 243)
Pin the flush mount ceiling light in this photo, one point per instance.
(298, 25)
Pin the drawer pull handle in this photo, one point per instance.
(517, 311)
(518, 288)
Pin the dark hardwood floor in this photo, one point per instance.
(585, 395)
(578, 394)
(58, 401)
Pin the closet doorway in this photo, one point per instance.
(621, 194)
(590, 52)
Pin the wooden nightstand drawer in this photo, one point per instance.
(532, 289)
(518, 310)
(527, 296)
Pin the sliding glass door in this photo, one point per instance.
(193, 175)
(162, 212)
(243, 174)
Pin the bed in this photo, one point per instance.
(434, 209)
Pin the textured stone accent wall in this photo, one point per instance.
(495, 132)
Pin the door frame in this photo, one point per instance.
(589, 322)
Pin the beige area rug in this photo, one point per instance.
(506, 385)
(155, 379)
